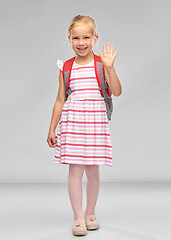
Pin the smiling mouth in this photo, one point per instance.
(82, 49)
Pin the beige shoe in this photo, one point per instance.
(91, 222)
(79, 228)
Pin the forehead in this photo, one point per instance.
(81, 29)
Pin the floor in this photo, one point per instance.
(125, 211)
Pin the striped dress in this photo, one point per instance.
(83, 135)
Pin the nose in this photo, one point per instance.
(81, 42)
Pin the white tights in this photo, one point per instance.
(75, 188)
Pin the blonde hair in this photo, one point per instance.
(82, 19)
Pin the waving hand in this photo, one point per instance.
(108, 57)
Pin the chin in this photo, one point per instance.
(83, 54)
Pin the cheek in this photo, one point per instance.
(73, 45)
(91, 44)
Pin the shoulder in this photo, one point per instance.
(65, 65)
(97, 58)
(60, 64)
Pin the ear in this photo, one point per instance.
(96, 38)
(69, 38)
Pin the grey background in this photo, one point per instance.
(33, 38)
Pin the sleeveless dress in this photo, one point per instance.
(82, 132)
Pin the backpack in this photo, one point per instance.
(100, 75)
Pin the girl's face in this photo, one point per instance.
(82, 40)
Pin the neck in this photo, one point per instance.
(84, 60)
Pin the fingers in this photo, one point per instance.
(101, 55)
(52, 142)
(108, 48)
(112, 49)
(116, 53)
(104, 50)
(109, 51)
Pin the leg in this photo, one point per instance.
(93, 184)
(75, 189)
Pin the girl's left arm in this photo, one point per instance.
(113, 81)
(110, 73)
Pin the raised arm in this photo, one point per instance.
(110, 73)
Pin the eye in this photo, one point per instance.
(87, 37)
(74, 38)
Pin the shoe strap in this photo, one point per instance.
(79, 223)
(91, 217)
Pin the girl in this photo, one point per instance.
(83, 138)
